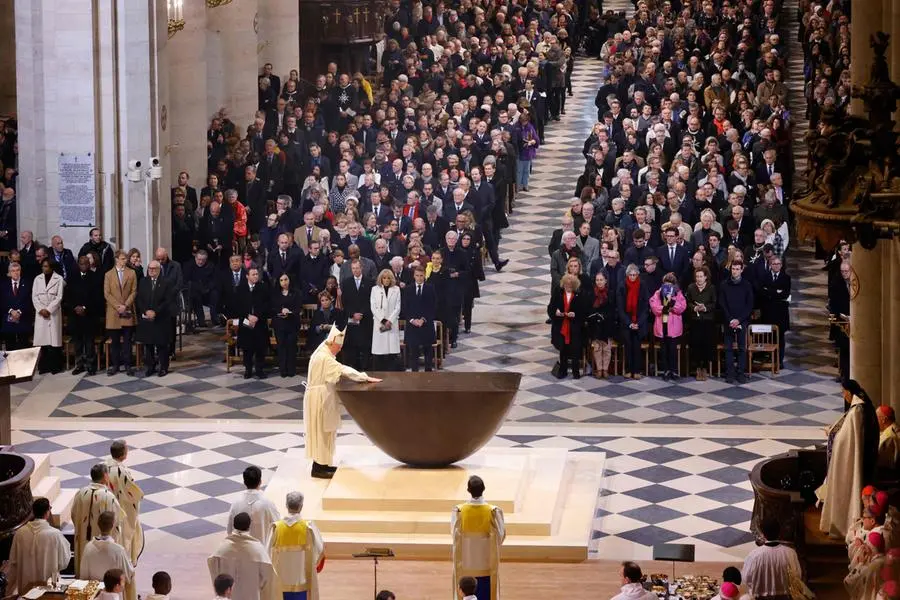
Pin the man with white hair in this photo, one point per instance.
(321, 409)
(298, 553)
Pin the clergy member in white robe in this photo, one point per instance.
(852, 457)
(129, 494)
(39, 551)
(103, 553)
(478, 530)
(262, 511)
(321, 408)
(889, 440)
(298, 553)
(244, 558)
(773, 569)
(87, 507)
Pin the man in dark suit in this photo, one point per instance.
(271, 171)
(456, 262)
(673, 258)
(382, 255)
(775, 292)
(313, 273)
(419, 307)
(356, 293)
(202, 279)
(250, 193)
(63, 257)
(367, 135)
(355, 237)
(216, 233)
(485, 200)
(8, 224)
(251, 311)
(285, 259)
(457, 205)
(839, 290)
(30, 266)
(18, 309)
(383, 214)
(274, 80)
(154, 305)
(83, 303)
(190, 193)
(229, 282)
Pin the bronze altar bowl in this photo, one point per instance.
(15, 496)
(430, 419)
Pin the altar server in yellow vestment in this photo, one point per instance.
(90, 502)
(321, 408)
(39, 551)
(129, 494)
(102, 554)
(478, 530)
(297, 552)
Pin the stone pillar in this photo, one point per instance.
(188, 116)
(8, 58)
(233, 79)
(279, 36)
(867, 19)
(866, 323)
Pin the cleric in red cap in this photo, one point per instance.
(889, 440)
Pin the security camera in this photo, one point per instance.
(134, 171)
(134, 165)
(156, 171)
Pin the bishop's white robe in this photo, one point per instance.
(262, 511)
(843, 484)
(478, 530)
(89, 502)
(296, 548)
(864, 581)
(889, 448)
(244, 558)
(102, 554)
(321, 407)
(39, 552)
(129, 494)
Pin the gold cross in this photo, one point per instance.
(365, 13)
(356, 13)
(337, 15)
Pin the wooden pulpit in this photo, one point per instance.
(16, 366)
(341, 31)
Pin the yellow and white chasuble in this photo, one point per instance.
(478, 530)
(89, 503)
(129, 494)
(321, 407)
(296, 547)
(889, 448)
(843, 483)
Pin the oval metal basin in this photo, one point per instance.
(430, 419)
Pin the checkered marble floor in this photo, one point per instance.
(667, 479)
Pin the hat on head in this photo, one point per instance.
(886, 411)
(881, 499)
(335, 336)
(869, 490)
(729, 591)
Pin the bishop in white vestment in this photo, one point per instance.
(478, 531)
(244, 558)
(129, 494)
(888, 440)
(103, 553)
(39, 551)
(262, 511)
(90, 502)
(298, 553)
(321, 408)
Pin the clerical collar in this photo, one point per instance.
(478, 500)
(292, 518)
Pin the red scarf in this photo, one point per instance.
(565, 329)
(600, 296)
(632, 293)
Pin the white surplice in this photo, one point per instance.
(244, 558)
(89, 503)
(840, 493)
(262, 511)
(102, 554)
(321, 407)
(129, 494)
(477, 553)
(769, 569)
(39, 552)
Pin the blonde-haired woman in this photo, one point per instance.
(566, 311)
(385, 303)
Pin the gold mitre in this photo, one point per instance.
(335, 336)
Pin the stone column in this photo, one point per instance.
(233, 80)
(279, 36)
(8, 58)
(867, 19)
(866, 323)
(187, 112)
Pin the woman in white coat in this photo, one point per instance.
(385, 301)
(47, 296)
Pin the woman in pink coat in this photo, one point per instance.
(667, 304)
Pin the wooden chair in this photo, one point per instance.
(437, 347)
(137, 347)
(763, 338)
(306, 316)
(230, 339)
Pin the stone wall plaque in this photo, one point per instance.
(77, 190)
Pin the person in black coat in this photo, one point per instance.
(600, 321)
(314, 269)
(286, 323)
(456, 261)
(324, 318)
(356, 294)
(9, 236)
(63, 257)
(202, 280)
(419, 308)
(84, 306)
(216, 234)
(154, 304)
(633, 308)
(681, 263)
(839, 304)
(18, 309)
(736, 301)
(476, 274)
(251, 310)
(566, 311)
(774, 292)
(285, 259)
(252, 196)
